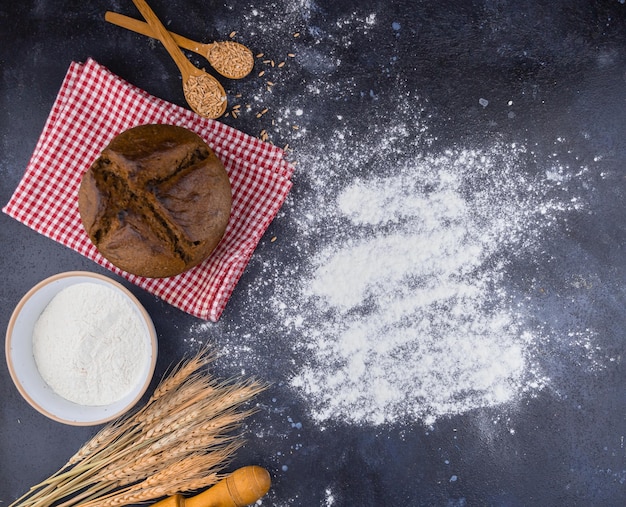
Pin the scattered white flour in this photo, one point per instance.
(404, 314)
(329, 498)
(396, 305)
(90, 345)
(394, 296)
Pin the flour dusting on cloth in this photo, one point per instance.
(93, 106)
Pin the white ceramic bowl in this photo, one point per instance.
(23, 368)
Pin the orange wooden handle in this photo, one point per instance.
(144, 29)
(164, 36)
(243, 487)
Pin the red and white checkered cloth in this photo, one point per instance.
(93, 106)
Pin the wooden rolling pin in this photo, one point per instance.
(243, 487)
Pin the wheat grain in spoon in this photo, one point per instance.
(204, 94)
(231, 59)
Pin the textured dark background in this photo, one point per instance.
(564, 61)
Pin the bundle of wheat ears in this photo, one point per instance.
(178, 442)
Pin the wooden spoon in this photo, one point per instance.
(231, 59)
(203, 92)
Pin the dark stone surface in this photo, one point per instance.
(563, 63)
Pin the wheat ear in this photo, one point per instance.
(184, 435)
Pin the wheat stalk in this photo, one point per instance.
(185, 475)
(179, 441)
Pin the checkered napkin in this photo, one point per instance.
(92, 107)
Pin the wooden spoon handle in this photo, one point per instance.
(161, 33)
(144, 29)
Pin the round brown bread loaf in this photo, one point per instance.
(156, 202)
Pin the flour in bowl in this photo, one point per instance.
(90, 345)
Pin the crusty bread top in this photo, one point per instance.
(157, 201)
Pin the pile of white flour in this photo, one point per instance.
(90, 345)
